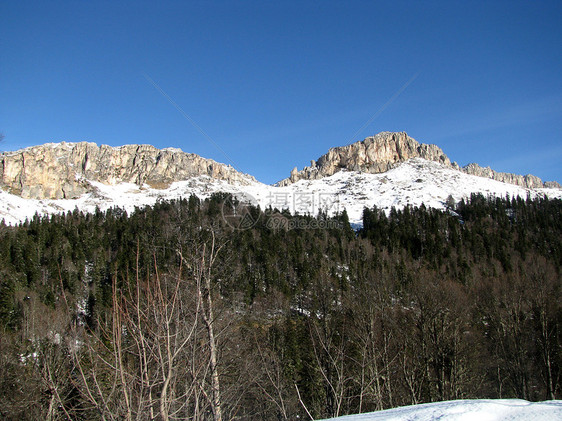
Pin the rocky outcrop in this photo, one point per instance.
(552, 185)
(529, 181)
(375, 154)
(66, 170)
(385, 150)
(63, 170)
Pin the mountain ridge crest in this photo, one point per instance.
(63, 170)
(383, 151)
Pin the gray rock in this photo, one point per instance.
(528, 181)
(380, 153)
(63, 170)
(375, 154)
(552, 185)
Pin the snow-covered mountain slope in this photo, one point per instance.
(468, 410)
(413, 182)
(127, 196)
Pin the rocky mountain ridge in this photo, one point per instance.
(69, 170)
(382, 152)
(374, 155)
(64, 170)
(410, 183)
(528, 181)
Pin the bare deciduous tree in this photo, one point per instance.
(157, 353)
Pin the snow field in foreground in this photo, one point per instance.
(468, 410)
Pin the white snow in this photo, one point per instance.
(413, 182)
(468, 410)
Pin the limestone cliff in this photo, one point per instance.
(63, 170)
(380, 153)
(528, 181)
(375, 154)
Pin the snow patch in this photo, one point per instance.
(468, 410)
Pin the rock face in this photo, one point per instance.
(63, 170)
(375, 154)
(528, 181)
(383, 151)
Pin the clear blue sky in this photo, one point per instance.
(277, 83)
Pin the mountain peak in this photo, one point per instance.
(383, 151)
(374, 154)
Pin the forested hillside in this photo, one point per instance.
(173, 312)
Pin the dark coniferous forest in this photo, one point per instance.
(172, 312)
